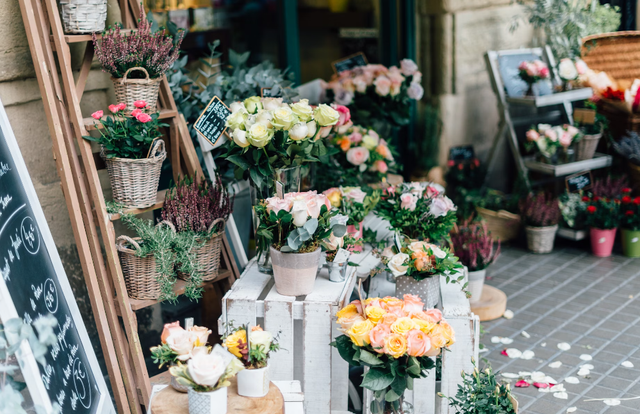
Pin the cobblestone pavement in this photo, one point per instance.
(570, 296)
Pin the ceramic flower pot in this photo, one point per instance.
(602, 241)
(295, 273)
(476, 283)
(631, 243)
(214, 402)
(177, 386)
(356, 233)
(540, 239)
(253, 382)
(427, 289)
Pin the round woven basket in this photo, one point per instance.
(83, 16)
(586, 147)
(131, 90)
(540, 239)
(208, 255)
(503, 225)
(134, 182)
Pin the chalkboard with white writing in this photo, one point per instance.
(348, 63)
(579, 182)
(211, 122)
(33, 284)
(462, 153)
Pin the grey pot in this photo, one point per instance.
(540, 239)
(427, 289)
(295, 273)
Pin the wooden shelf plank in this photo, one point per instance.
(598, 161)
(90, 123)
(86, 37)
(178, 288)
(136, 211)
(553, 99)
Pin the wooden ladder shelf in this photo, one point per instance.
(93, 228)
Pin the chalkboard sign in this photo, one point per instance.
(33, 284)
(274, 92)
(211, 122)
(350, 62)
(514, 86)
(462, 153)
(579, 182)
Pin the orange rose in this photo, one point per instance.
(168, 329)
(423, 262)
(377, 336)
(412, 304)
(393, 305)
(345, 144)
(418, 343)
(384, 151)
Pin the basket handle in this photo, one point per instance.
(158, 149)
(136, 68)
(121, 239)
(215, 223)
(168, 224)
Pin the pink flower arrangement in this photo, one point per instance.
(533, 71)
(546, 139)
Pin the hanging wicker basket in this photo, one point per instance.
(503, 225)
(134, 182)
(83, 16)
(131, 90)
(586, 147)
(208, 255)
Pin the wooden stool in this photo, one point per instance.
(491, 305)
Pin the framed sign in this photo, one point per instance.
(514, 86)
(350, 62)
(579, 182)
(462, 153)
(211, 123)
(33, 283)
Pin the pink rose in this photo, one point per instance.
(531, 71)
(358, 155)
(345, 114)
(433, 315)
(381, 166)
(573, 131)
(440, 206)
(523, 65)
(408, 201)
(432, 191)
(343, 96)
(170, 328)
(408, 67)
(136, 112)
(144, 118)
(354, 193)
(97, 114)
(551, 134)
(415, 91)
(360, 84)
(532, 135)
(383, 85)
(581, 67)
(314, 205)
(355, 137)
(324, 131)
(276, 204)
(140, 104)
(418, 343)
(412, 304)
(122, 106)
(373, 134)
(114, 108)
(344, 128)
(377, 335)
(417, 78)
(544, 73)
(565, 139)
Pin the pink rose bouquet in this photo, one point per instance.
(396, 339)
(417, 210)
(533, 71)
(179, 344)
(547, 141)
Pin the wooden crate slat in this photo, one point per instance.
(317, 334)
(239, 304)
(278, 319)
(424, 393)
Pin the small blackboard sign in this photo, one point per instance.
(513, 84)
(579, 182)
(211, 122)
(350, 62)
(462, 153)
(273, 92)
(33, 283)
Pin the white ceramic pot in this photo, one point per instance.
(253, 382)
(295, 273)
(214, 402)
(476, 283)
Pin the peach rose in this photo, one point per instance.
(447, 332)
(358, 155)
(418, 343)
(383, 85)
(394, 306)
(423, 262)
(384, 151)
(412, 304)
(170, 328)
(377, 336)
(334, 195)
(435, 314)
(438, 340)
(347, 322)
(182, 343)
(276, 204)
(395, 345)
(388, 319)
(201, 333)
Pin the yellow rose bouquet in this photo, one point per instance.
(253, 352)
(395, 339)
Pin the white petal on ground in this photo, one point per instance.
(561, 395)
(510, 375)
(611, 401)
(543, 389)
(514, 353)
(572, 409)
(543, 344)
(524, 373)
(587, 366)
(495, 339)
(508, 314)
(506, 341)
(572, 380)
(586, 357)
(527, 355)
(583, 372)
(556, 364)
(549, 380)
(525, 334)
(627, 364)
(563, 346)
(538, 376)
(557, 388)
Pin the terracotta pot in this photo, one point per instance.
(602, 241)
(295, 273)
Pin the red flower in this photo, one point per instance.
(114, 108)
(140, 104)
(591, 209)
(614, 94)
(476, 162)
(451, 163)
(596, 198)
(628, 213)
(636, 200)
(460, 167)
(144, 118)
(585, 198)
(626, 190)
(97, 114)
(136, 112)
(122, 106)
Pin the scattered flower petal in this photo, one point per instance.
(506, 341)
(586, 357)
(556, 364)
(543, 389)
(572, 380)
(504, 352)
(525, 334)
(557, 388)
(583, 372)
(510, 375)
(540, 385)
(527, 355)
(572, 409)
(522, 384)
(495, 339)
(627, 364)
(524, 374)
(563, 346)
(561, 395)
(514, 353)
(611, 401)
(538, 376)
(543, 344)
(550, 380)
(587, 366)
(508, 314)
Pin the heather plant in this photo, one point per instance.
(540, 210)
(120, 51)
(610, 187)
(471, 241)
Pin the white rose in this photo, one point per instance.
(312, 127)
(387, 252)
(542, 128)
(440, 206)
(370, 142)
(418, 246)
(236, 120)
(260, 339)
(240, 138)
(206, 369)
(299, 131)
(302, 109)
(182, 343)
(299, 213)
(437, 252)
(397, 264)
(237, 107)
(326, 115)
(313, 207)
(567, 69)
(271, 104)
(283, 118)
(259, 135)
(265, 117)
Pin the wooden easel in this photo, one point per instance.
(92, 225)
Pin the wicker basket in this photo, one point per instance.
(586, 147)
(134, 182)
(540, 239)
(83, 16)
(140, 274)
(208, 256)
(131, 90)
(503, 225)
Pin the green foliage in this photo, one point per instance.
(629, 211)
(426, 149)
(163, 354)
(370, 237)
(464, 185)
(481, 393)
(603, 213)
(496, 201)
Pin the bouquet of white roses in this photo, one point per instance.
(179, 344)
(207, 370)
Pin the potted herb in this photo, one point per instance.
(394, 339)
(133, 152)
(137, 61)
(207, 376)
(475, 248)
(253, 381)
(541, 214)
(532, 72)
(417, 267)
(630, 224)
(179, 345)
(552, 143)
(200, 210)
(355, 204)
(603, 218)
(292, 228)
(418, 210)
(501, 214)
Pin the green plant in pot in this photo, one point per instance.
(541, 214)
(292, 228)
(603, 219)
(630, 224)
(573, 210)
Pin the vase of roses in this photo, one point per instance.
(253, 381)
(630, 223)
(179, 345)
(417, 267)
(532, 72)
(356, 204)
(207, 375)
(603, 219)
(133, 165)
(292, 228)
(552, 144)
(395, 341)
(541, 213)
(417, 210)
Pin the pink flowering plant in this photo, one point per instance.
(533, 71)
(297, 223)
(375, 92)
(547, 139)
(417, 210)
(472, 242)
(126, 137)
(353, 202)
